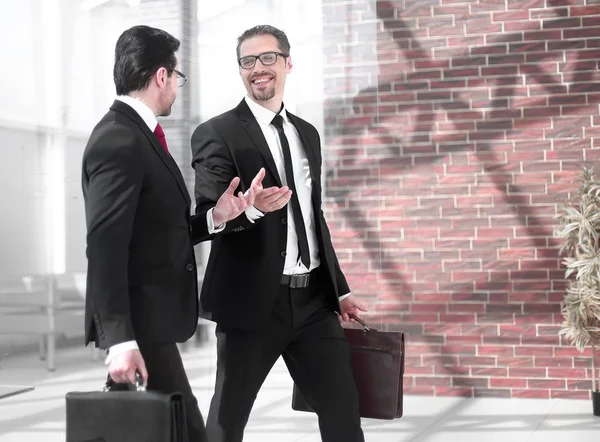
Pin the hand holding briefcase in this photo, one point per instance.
(125, 416)
(377, 359)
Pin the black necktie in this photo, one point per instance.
(296, 211)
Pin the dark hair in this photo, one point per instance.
(282, 40)
(139, 53)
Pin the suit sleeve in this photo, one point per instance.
(214, 169)
(200, 228)
(342, 284)
(114, 180)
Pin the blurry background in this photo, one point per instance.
(450, 131)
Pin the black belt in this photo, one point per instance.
(298, 281)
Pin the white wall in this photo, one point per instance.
(57, 73)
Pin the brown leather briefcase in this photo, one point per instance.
(377, 359)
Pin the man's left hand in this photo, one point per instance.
(229, 206)
(351, 306)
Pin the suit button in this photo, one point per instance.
(283, 220)
(189, 267)
(283, 254)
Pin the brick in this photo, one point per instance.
(526, 372)
(508, 383)
(546, 383)
(431, 381)
(503, 340)
(478, 24)
(542, 35)
(591, 21)
(419, 391)
(484, 350)
(519, 26)
(496, 318)
(487, 371)
(478, 361)
(562, 394)
(487, 6)
(530, 394)
(580, 384)
(481, 383)
(562, 23)
(573, 373)
(453, 392)
(491, 393)
(526, 4)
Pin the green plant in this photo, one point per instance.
(579, 221)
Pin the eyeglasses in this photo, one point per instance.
(266, 58)
(181, 78)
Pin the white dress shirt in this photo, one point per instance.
(150, 119)
(302, 179)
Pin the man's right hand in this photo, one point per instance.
(123, 367)
(270, 199)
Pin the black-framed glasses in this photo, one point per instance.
(266, 58)
(181, 78)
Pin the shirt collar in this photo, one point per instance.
(262, 114)
(143, 111)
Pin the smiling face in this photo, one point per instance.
(265, 84)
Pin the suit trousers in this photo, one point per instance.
(307, 333)
(167, 375)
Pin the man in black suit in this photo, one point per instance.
(273, 283)
(141, 283)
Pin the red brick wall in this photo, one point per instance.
(452, 130)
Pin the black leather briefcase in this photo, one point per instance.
(377, 359)
(125, 416)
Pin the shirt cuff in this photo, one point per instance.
(341, 298)
(210, 222)
(252, 213)
(117, 349)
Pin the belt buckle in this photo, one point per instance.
(299, 281)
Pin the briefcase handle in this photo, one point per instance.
(139, 383)
(361, 322)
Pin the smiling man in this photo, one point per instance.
(273, 283)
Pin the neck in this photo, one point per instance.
(145, 98)
(274, 104)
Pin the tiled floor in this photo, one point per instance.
(40, 415)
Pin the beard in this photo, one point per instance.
(165, 112)
(259, 93)
(166, 105)
(264, 95)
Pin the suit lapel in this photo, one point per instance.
(258, 138)
(170, 163)
(167, 160)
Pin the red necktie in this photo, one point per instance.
(160, 135)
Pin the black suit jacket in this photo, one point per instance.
(246, 261)
(141, 279)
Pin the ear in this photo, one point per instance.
(161, 76)
(289, 64)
